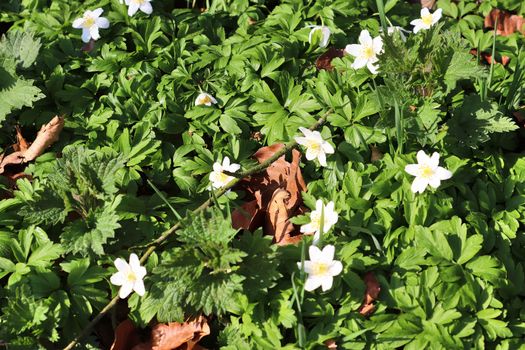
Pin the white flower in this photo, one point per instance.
(427, 19)
(366, 51)
(329, 215)
(129, 276)
(316, 147)
(325, 31)
(135, 5)
(218, 178)
(205, 99)
(427, 172)
(321, 268)
(90, 23)
(391, 30)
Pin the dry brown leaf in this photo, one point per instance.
(330, 344)
(372, 292)
(488, 57)
(273, 196)
(174, 334)
(325, 60)
(508, 23)
(126, 336)
(47, 135)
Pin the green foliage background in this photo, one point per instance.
(450, 261)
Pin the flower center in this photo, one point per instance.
(426, 171)
(368, 52)
(138, 2)
(205, 99)
(131, 277)
(89, 22)
(314, 146)
(320, 269)
(223, 178)
(427, 19)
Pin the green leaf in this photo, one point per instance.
(487, 268)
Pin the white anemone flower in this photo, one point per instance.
(325, 32)
(316, 146)
(366, 51)
(205, 99)
(135, 5)
(427, 19)
(330, 219)
(427, 172)
(321, 268)
(90, 23)
(129, 276)
(218, 178)
(393, 29)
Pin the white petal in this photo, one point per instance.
(422, 158)
(217, 167)
(77, 23)
(424, 12)
(328, 254)
(419, 185)
(86, 35)
(418, 25)
(134, 262)
(412, 169)
(139, 288)
(234, 167)
(102, 22)
(315, 254)
(97, 12)
(326, 282)
(365, 38)
(118, 279)
(327, 148)
(319, 206)
(146, 8)
(436, 16)
(307, 266)
(300, 140)
(307, 228)
(226, 162)
(93, 31)
(443, 174)
(371, 67)
(121, 265)
(322, 158)
(434, 182)
(306, 132)
(336, 268)
(312, 283)
(377, 44)
(141, 272)
(317, 237)
(434, 160)
(326, 37)
(125, 290)
(311, 153)
(354, 49)
(359, 63)
(132, 9)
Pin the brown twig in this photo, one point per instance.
(256, 169)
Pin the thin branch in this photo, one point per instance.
(256, 169)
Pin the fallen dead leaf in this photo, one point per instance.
(508, 23)
(273, 196)
(372, 292)
(325, 60)
(174, 334)
(488, 57)
(47, 135)
(330, 344)
(126, 336)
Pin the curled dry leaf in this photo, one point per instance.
(508, 23)
(325, 60)
(330, 344)
(174, 334)
(164, 336)
(488, 57)
(372, 292)
(273, 196)
(47, 135)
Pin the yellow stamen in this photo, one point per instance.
(319, 269)
(89, 22)
(138, 2)
(313, 145)
(368, 52)
(222, 177)
(427, 19)
(131, 277)
(205, 99)
(426, 171)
